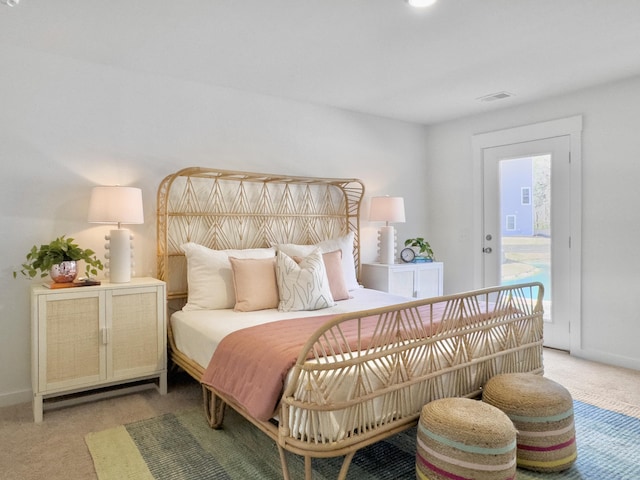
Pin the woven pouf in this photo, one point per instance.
(464, 438)
(542, 412)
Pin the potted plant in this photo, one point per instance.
(424, 249)
(46, 259)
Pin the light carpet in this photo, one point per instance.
(182, 446)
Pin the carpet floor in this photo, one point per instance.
(182, 446)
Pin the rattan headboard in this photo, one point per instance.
(223, 209)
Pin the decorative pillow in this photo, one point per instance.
(254, 282)
(304, 285)
(209, 275)
(335, 275)
(344, 243)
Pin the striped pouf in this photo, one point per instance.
(460, 438)
(542, 412)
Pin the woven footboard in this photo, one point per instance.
(339, 398)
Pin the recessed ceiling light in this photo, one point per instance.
(420, 3)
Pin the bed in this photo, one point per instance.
(354, 370)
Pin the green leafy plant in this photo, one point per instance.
(423, 246)
(40, 260)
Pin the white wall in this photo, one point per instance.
(66, 126)
(610, 224)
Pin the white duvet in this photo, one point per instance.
(197, 333)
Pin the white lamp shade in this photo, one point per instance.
(116, 204)
(387, 209)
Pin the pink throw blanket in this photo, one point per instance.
(250, 365)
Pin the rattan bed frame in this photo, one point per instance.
(481, 333)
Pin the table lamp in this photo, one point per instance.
(387, 209)
(117, 205)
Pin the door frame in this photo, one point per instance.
(571, 126)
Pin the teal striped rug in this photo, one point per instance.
(181, 446)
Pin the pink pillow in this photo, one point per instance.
(254, 281)
(335, 274)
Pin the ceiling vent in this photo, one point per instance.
(495, 96)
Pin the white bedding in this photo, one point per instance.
(197, 333)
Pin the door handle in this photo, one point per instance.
(487, 250)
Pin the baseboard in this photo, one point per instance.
(15, 398)
(607, 358)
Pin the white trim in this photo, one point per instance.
(607, 358)
(14, 398)
(571, 126)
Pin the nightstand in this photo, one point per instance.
(91, 339)
(417, 280)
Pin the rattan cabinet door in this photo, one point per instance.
(69, 344)
(135, 318)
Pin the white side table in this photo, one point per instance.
(89, 338)
(415, 280)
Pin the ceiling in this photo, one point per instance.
(379, 57)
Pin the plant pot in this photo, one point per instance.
(64, 272)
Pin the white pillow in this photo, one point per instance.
(344, 243)
(209, 276)
(304, 285)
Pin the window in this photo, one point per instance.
(525, 195)
(511, 222)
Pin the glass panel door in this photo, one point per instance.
(526, 217)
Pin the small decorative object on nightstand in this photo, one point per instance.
(53, 258)
(95, 337)
(424, 254)
(407, 255)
